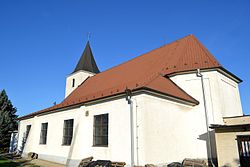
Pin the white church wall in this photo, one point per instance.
(219, 96)
(22, 135)
(230, 96)
(53, 150)
(162, 126)
(81, 147)
(78, 77)
(170, 131)
(118, 148)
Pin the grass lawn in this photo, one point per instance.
(8, 163)
(15, 163)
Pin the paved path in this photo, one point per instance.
(43, 163)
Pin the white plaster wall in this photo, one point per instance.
(53, 150)
(82, 142)
(230, 97)
(170, 131)
(119, 133)
(79, 77)
(22, 133)
(222, 99)
(167, 132)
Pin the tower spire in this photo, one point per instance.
(87, 61)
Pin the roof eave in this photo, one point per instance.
(230, 75)
(193, 102)
(135, 91)
(219, 69)
(215, 126)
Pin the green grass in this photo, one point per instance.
(4, 162)
(8, 163)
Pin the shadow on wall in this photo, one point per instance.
(69, 158)
(20, 150)
(237, 161)
(213, 145)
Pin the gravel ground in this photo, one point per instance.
(43, 163)
(6, 160)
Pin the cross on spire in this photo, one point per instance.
(89, 35)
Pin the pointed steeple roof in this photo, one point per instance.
(87, 61)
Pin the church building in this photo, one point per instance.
(160, 107)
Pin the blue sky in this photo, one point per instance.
(41, 41)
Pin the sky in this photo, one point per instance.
(41, 41)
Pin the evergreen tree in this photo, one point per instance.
(8, 121)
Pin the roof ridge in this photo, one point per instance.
(146, 53)
(174, 53)
(158, 72)
(153, 78)
(185, 50)
(208, 54)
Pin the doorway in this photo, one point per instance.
(244, 150)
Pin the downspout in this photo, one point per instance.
(130, 102)
(198, 74)
(136, 132)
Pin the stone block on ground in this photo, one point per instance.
(194, 163)
(175, 164)
(85, 162)
(32, 155)
(118, 164)
(150, 165)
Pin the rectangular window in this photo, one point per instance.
(27, 130)
(68, 131)
(101, 130)
(73, 83)
(43, 135)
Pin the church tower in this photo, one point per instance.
(86, 67)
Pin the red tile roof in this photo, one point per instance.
(148, 71)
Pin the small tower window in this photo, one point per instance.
(73, 83)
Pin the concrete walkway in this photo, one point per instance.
(43, 163)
